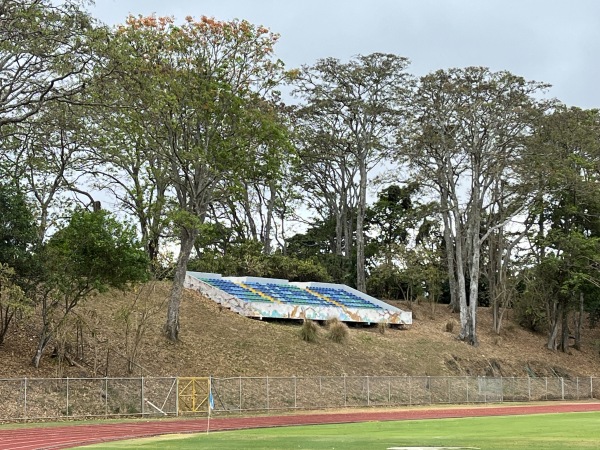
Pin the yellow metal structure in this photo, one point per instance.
(193, 395)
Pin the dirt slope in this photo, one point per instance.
(215, 341)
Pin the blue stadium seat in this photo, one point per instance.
(345, 298)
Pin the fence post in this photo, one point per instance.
(410, 390)
(295, 392)
(105, 396)
(529, 388)
(177, 397)
(142, 395)
(25, 397)
(345, 393)
(562, 387)
(577, 388)
(240, 393)
(368, 393)
(591, 387)
(268, 393)
(389, 391)
(67, 398)
(484, 388)
(546, 387)
(467, 378)
(429, 387)
(502, 390)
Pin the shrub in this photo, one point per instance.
(450, 326)
(337, 331)
(382, 327)
(309, 331)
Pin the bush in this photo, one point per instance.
(337, 331)
(382, 327)
(309, 331)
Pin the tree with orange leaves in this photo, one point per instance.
(200, 95)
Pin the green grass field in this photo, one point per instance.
(543, 431)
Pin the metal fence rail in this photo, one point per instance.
(55, 398)
(280, 393)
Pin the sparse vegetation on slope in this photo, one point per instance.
(216, 341)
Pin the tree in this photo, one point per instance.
(17, 240)
(51, 156)
(468, 135)
(327, 176)
(46, 55)
(565, 242)
(359, 106)
(406, 246)
(17, 229)
(207, 85)
(391, 216)
(91, 254)
(12, 299)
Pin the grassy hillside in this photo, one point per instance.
(218, 342)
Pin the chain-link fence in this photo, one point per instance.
(54, 398)
(280, 393)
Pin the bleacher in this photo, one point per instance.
(235, 289)
(277, 298)
(288, 293)
(342, 297)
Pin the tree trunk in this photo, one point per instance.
(45, 333)
(6, 315)
(188, 237)
(564, 341)
(44, 339)
(361, 283)
(269, 220)
(42, 344)
(554, 314)
(340, 217)
(152, 248)
(249, 218)
(348, 232)
(460, 277)
(454, 305)
(578, 323)
(474, 286)
(493, 277)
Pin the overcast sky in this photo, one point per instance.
(554, 41)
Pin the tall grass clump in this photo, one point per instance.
(337, 331)
(309, 331)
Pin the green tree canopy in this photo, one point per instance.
(92, 253)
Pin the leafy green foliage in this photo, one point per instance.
(246, 258)
(567, 214)
(17, 229)
(94, 252)
(13, 300)
(47, 53)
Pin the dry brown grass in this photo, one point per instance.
(309, 331)
(216, 341)
(337, 331)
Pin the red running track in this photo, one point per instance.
(69, 436)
